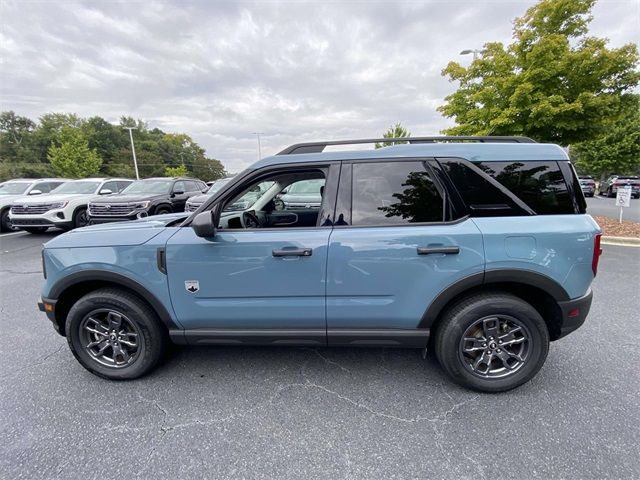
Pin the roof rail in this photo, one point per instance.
(317, 147)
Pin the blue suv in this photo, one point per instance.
(478, 248)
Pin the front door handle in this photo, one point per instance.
(450, 250)
(298, 252)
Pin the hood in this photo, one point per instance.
(46, 198)
(6, 200)
(198, 199)
(127, 233)
(136, 197)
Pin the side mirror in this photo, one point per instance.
(35, 192)
(204, 224)
(177, 192)
(105, 191)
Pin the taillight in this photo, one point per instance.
(597, 251)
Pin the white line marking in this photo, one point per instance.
(12, 233)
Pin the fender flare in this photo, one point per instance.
(487, 278)
(83, 276)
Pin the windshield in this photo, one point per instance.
(13, 188)
(148, 186)
(249, 197)
(307, 187)
(77, 187)
(217, 185)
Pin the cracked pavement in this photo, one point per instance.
(225, 412)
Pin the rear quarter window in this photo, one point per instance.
(537, 186)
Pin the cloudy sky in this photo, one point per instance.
(220, 71)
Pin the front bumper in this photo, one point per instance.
(96, 220)
(574, 313)
(52, 218)
(48, 306)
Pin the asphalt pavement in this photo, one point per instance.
(606, 207)
(316, 413)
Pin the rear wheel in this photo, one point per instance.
(492, 342)
(115, 335)
(35, 230)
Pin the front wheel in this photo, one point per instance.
(5, 222)
(492, 342)
(80, 218)
(115, 335)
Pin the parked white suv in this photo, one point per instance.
(19, 187)
(65, 207)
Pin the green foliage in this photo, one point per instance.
(553, 83)
(617, 151)
(71, 156)
(25, 145)
(394, 131)
(179, 171)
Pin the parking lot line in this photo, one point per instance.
(12, 233)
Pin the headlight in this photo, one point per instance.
(141, 205)
(59, 205)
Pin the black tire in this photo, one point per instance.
(35, 230)
(162, 210)
(5, 223)
(150, 336)
(610, 193)
(80, 218)
(464, 315)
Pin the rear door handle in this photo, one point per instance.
(298, 252)
(450, 250)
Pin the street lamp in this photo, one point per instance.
(476, 53)
(133, 150)
(257, 134)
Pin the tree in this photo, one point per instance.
(71, 156)
(617, 151)
(553, 83)
(179, 171)
(394, 131)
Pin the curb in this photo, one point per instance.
(621, 241)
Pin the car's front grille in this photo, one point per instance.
(110, 209)
(36, 209)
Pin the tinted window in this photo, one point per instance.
(46, 187)
(123, 184)
(113, 186)
(538, 184)
(180, 186)
(193, 186)
(481, 195)
(394, 193)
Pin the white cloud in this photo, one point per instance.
(220, 71)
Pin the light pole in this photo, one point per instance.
(476, 53)
(257, 134)
(133, 150)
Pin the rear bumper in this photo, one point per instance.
(574, 313)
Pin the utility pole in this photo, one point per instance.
(257, 134)
(133, 150)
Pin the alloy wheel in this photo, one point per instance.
(110, 338)
(495, 346)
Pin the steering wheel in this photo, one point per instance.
(250, 220)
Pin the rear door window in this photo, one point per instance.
(394, 193)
